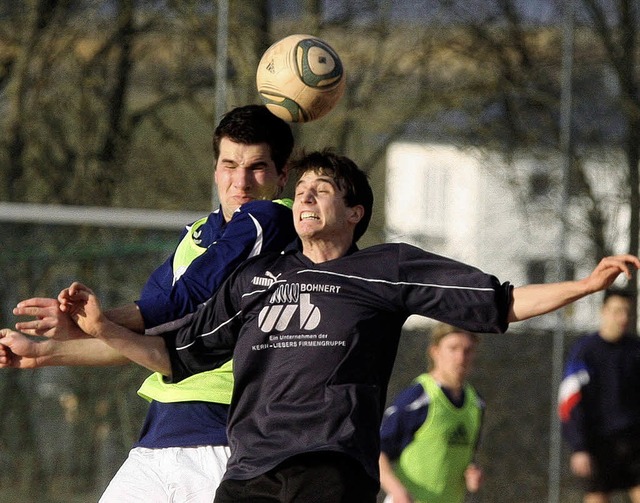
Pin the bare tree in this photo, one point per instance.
(114, 106)
(84, 89)
(513, 97)
(618, 35)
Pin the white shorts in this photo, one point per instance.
(169, 475)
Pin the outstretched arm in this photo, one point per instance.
(534, 300)
(68, 344)
(84, 308)
(51, 322)
(22, 352)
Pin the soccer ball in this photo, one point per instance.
(300, 78)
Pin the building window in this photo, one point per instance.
(416, 189)
(543, 271)
(536, 271)
(539, 184)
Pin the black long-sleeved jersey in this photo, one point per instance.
(314, 344)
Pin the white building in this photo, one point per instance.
(457, 203)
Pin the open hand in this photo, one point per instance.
(50, 321)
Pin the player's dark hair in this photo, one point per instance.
(253, 124)
(348, 177)
(618, 292)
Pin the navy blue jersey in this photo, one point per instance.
(170, 296)
(402, 419)
(184, 424)
(600, 391)
(314, 344)
(255, 227)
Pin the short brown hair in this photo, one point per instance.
(440, 331)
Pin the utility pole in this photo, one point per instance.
(222, 38)
(555, 437)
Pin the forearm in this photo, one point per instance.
(147, 351)
(388, 481)
(573, 430)
(534, 300)
(128, 316)
(77, 352)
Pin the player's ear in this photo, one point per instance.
(283, 177)
(355, 213)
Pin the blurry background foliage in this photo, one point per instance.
(111, 103)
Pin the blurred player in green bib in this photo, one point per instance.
(430, 433)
